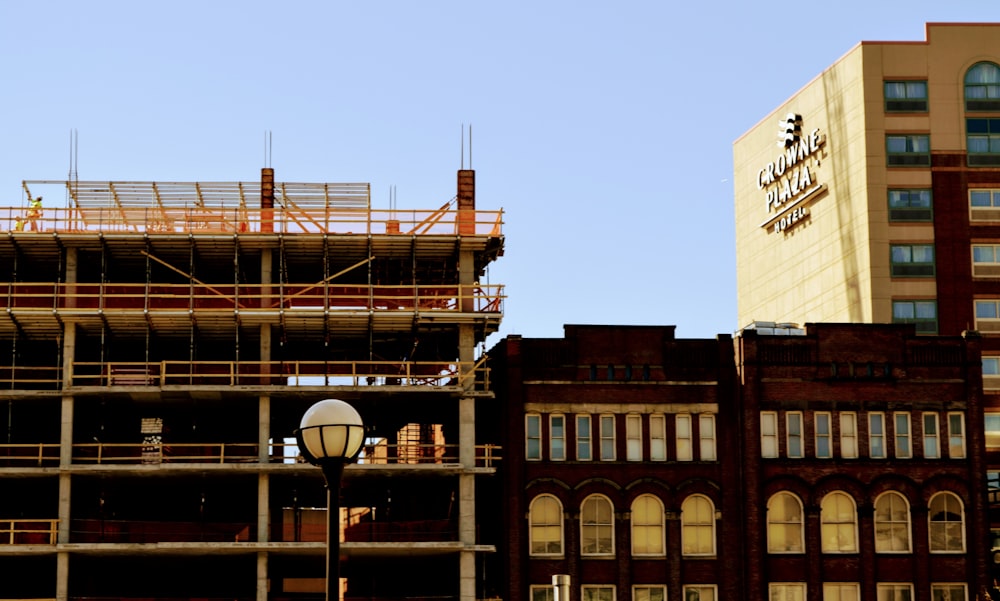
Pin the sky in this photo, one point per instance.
(603, 130)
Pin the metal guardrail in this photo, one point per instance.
(102, 453)
(423, 374)
(237, 220)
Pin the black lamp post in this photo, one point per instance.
(331, 434)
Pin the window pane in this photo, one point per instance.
(983, 254)
(980, 198)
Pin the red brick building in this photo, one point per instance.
(843, 463)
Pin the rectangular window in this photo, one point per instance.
(657, 438)
(557, 437)
(793, 434)
(840, 591)
(699, 592)
(583, 450)
(824, 445)
(607, 438)
(542, 592)
(911, 260)
(706, 437)
(910, 205)
(768, 434)
(993, 431)
(923, 313)
(908, 150)
(633, 437)
(786, 591)
(932, 439)
(906, 96)
(987, 315)
(991, 373)
(591, 592)
(533, 437)
(956, 436)
(849, 435)
(948, 592)
(984, 204)
(894, 592)
(876, 435)
(985, 260)
(657, 592)
(982, 138)
(682, 423)
(901, 423)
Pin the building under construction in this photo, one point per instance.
(159, 343)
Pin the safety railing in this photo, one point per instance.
(424, 374)
(251, 297)
(282, 373)
(146, 453)
(96, 530)
(235, 220)
(28, 532)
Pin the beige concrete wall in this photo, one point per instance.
(834, 266)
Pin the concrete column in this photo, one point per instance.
(263, 507)
(71, 271)
(467, 576)
(262, 576)
(62, 536)
(62, 576)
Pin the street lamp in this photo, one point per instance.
(331, 434)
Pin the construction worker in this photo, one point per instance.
(34, 213)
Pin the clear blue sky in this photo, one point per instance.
(604, 130)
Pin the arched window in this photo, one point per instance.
(647, 526)
(947, 523)
(982, 87)
(838, 518)
(892, 523)
(784, 524)
(545, 526)
(597, 526)
(697, 526)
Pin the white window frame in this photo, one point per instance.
(584, 441)
(986, 269)
(598, 528)
(547, 590)
(984, 212)
(991, 372)
(657, 437)
(902, 439)
(986, 312)
(849, 435)
(660, 527)
(592, 592)
(786, 591)
(890, 591)
(956, 435)
(769, 434)
(648, 588)
(933, 525)
(932, 435)
(876, 417)
(633, 437)
(706, 437)
(991, 425)
(683, 437)
(794, 436)
(700, 524)
(532, 526)
(798, 548)
(835, 545)
(892, 523)
(938, 594)
(700, 592)
(607, 437)
(529, 455)
(823, 433)
(834, 591)
(557, 442)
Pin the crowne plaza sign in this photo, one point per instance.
(790, 180)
